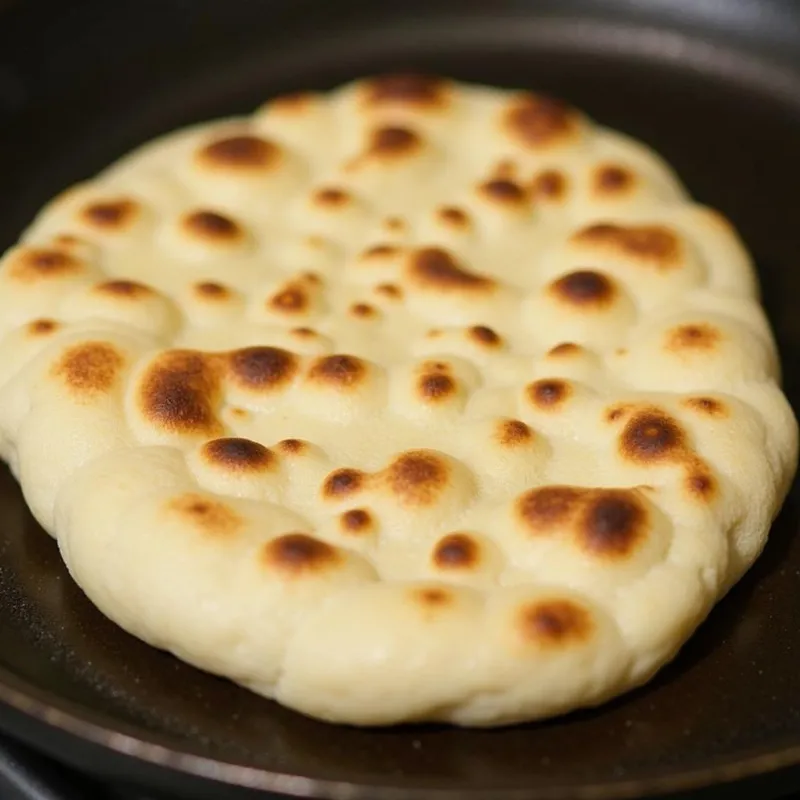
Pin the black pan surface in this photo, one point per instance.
(713, 85)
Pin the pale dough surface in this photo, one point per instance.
(410, 401)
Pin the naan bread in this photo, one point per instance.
(411, 401)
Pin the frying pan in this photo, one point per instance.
(714, 85)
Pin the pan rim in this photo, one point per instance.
(121, 742)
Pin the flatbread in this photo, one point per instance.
(410, 401)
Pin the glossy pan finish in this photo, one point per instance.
(714, 86)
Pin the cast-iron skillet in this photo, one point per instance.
(714, 85)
